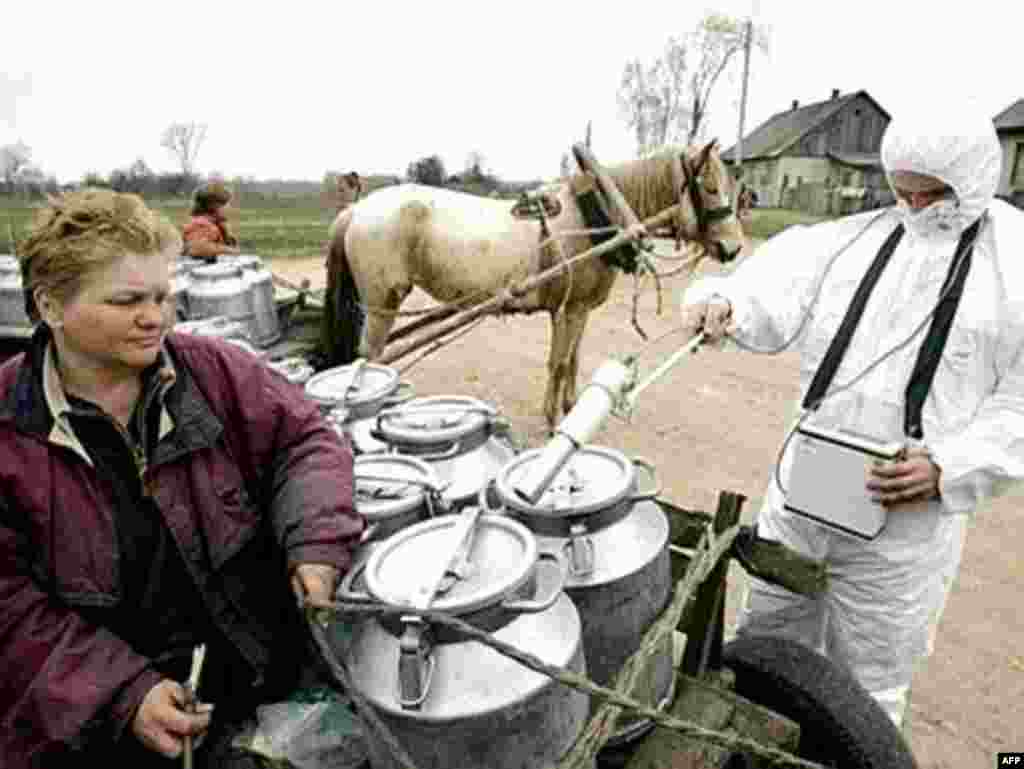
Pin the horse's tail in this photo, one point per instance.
(341, 327)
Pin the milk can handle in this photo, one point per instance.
(530, 606)
(415, 665)
(581, 551)
(452, 451)
(655, 490)
(345, 592)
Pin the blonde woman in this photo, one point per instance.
(157, 491)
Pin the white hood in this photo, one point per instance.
(957, 144)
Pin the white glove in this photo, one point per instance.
(713, 316)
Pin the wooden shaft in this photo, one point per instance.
(497, 303)
(611, 192)
(439, 314)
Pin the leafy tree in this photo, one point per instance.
(427, 170)
(13, 158)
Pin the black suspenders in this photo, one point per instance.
(928, 356)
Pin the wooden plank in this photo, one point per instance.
(712, 705)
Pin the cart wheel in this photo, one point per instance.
(841, 725)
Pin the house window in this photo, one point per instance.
(1017, 177)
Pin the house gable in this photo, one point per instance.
(797, 131)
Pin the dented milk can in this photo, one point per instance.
(455, 703)
(615, 539)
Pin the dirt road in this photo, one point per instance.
(714, 423)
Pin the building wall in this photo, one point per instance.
(858, 127)
(1012, 143)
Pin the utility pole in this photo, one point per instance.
(748, 33)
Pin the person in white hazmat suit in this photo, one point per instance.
(885, 596)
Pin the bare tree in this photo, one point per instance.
(667, 100)
(714, 43)
(475, 166)
(13, 158)
(183, 140)
(565, 168)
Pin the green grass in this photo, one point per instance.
(282, 228)
(766, 222)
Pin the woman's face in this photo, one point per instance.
(919, 190)
(119, 316)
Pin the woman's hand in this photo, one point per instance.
(315, 581)
(162, 722)
(913, 479)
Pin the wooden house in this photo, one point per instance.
(822, 157)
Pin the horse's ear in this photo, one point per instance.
(705, 153)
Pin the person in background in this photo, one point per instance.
(158, 491)
(945, 235)
(207, 234)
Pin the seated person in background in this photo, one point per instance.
(158, 491)
(207, 235)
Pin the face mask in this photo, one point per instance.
(941, 219)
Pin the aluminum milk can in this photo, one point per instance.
(12, 295)
(266, 326)
(616, 541)
(454, 703)
(350, 397)
(463, 438)
(220, 289)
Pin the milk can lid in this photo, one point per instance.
(387, 485)
(435, 419)
(342, 386)
(218, 270)
(595, 478)
(502, 556)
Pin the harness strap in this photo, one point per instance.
(928, 357)
(930, 354)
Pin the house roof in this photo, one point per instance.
(784, 129)
(858, 159)
(1010, 118)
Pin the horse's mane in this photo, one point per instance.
(648, 183)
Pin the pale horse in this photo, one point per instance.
(461, 247)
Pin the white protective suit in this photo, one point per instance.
(886, 596)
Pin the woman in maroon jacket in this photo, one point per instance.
(157, 491)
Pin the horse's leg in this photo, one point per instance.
(575, 325)
(378, 324)
(558, 359)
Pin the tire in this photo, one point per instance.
(841, 725)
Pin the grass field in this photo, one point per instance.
(297, 227)
(293, 228)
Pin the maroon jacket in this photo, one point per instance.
(249, 469)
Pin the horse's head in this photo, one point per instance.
(348, 190)
(708, 195)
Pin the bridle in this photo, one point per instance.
(693, 182)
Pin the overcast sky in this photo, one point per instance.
(292, 89)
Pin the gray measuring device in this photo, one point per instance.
(828, 476)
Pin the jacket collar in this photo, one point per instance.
(40, 406)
